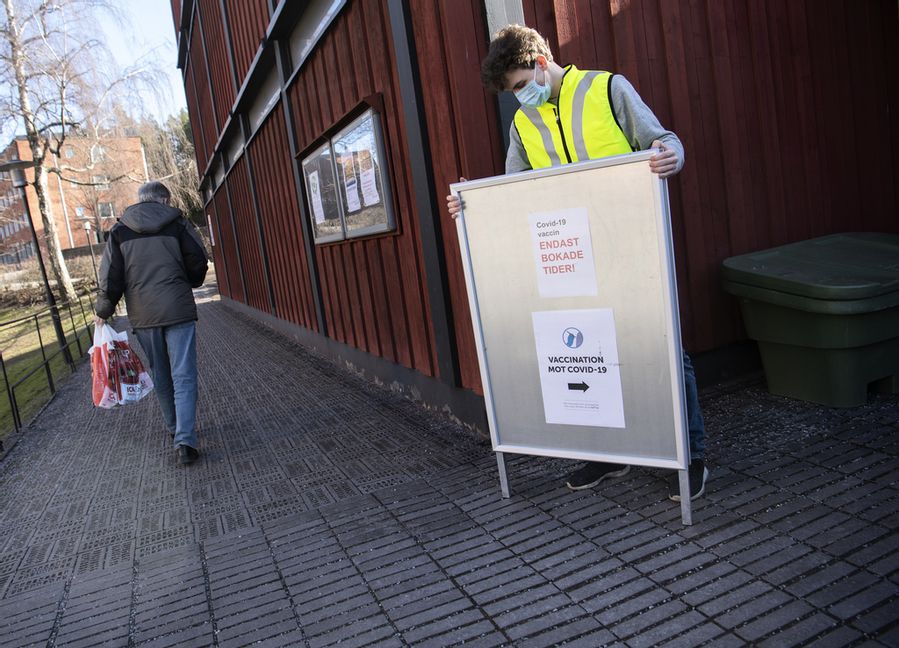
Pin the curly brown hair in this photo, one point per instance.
(514, 47)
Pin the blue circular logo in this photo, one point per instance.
(572, 338)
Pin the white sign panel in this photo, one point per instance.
(577, 356)
(370, 194)
(563, 253)
(570, 279)
(315, 190)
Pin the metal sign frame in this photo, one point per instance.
(503, 442)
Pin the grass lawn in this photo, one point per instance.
(20, 344)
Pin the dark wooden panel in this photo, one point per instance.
(176, 14)
(193, 111)
(228, 244)
(218, 257)
(218, 59)
(373, 289)
(244, 215)
(205, 112)
(273, 176)
(464, 140)
(247, 22)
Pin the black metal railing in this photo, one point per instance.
(66, 315)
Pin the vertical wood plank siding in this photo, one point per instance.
(176, 14)
(247, 20)
(218, 256)
(193, 107)
(243, 216)
(784, 110)
(205, 112)
(228, 245)
(464, 138)
(373, 289)
(218, 59)
(273, 176)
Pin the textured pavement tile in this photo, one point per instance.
(627, 601)
(642, 622)
(428, 631)
(270, 539)
(683, 622)
(700, 633)
(842, 588)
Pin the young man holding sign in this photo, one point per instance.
(570, 115)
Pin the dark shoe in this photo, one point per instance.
(187, 455)
(593, 473)
(698, 474)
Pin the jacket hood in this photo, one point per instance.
(149, 217)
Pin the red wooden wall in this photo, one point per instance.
(243, 214)
(374, 293)
(232, 270)
(784, 110)
(247, 20)
(205, 113)
(273, 178)
(218, 59)
(462, 129)
(218, 254)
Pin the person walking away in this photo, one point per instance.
(154, 257)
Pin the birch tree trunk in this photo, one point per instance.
(38, 153)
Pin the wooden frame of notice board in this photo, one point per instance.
(571, 285)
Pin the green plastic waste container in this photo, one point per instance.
(825, 314)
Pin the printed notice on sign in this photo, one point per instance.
(577, 354)
(316, 193)
(563, 253)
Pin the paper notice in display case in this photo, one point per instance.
(563, 253)
(370, 194)
(577, 353)
(348, 168)
(315, 193)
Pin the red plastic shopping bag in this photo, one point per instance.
(118, 374)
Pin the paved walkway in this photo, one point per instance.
(329, 511)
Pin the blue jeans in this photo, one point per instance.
(695, 424)
(172, 353)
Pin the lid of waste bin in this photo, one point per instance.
(855, 265)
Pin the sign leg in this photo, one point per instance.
(686, 512)
(503, 478)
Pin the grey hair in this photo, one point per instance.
(154, 191)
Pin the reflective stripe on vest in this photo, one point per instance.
(586, 128)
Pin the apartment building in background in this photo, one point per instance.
(98, 179)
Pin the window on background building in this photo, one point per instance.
(69, 152)
(347, 186)
(97, 153)
(106, 210)
(101, 182)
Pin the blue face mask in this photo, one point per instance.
(534, 95)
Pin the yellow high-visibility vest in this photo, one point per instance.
(583, 127)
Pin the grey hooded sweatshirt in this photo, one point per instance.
(154, 257)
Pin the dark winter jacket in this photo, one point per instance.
(153, 257)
